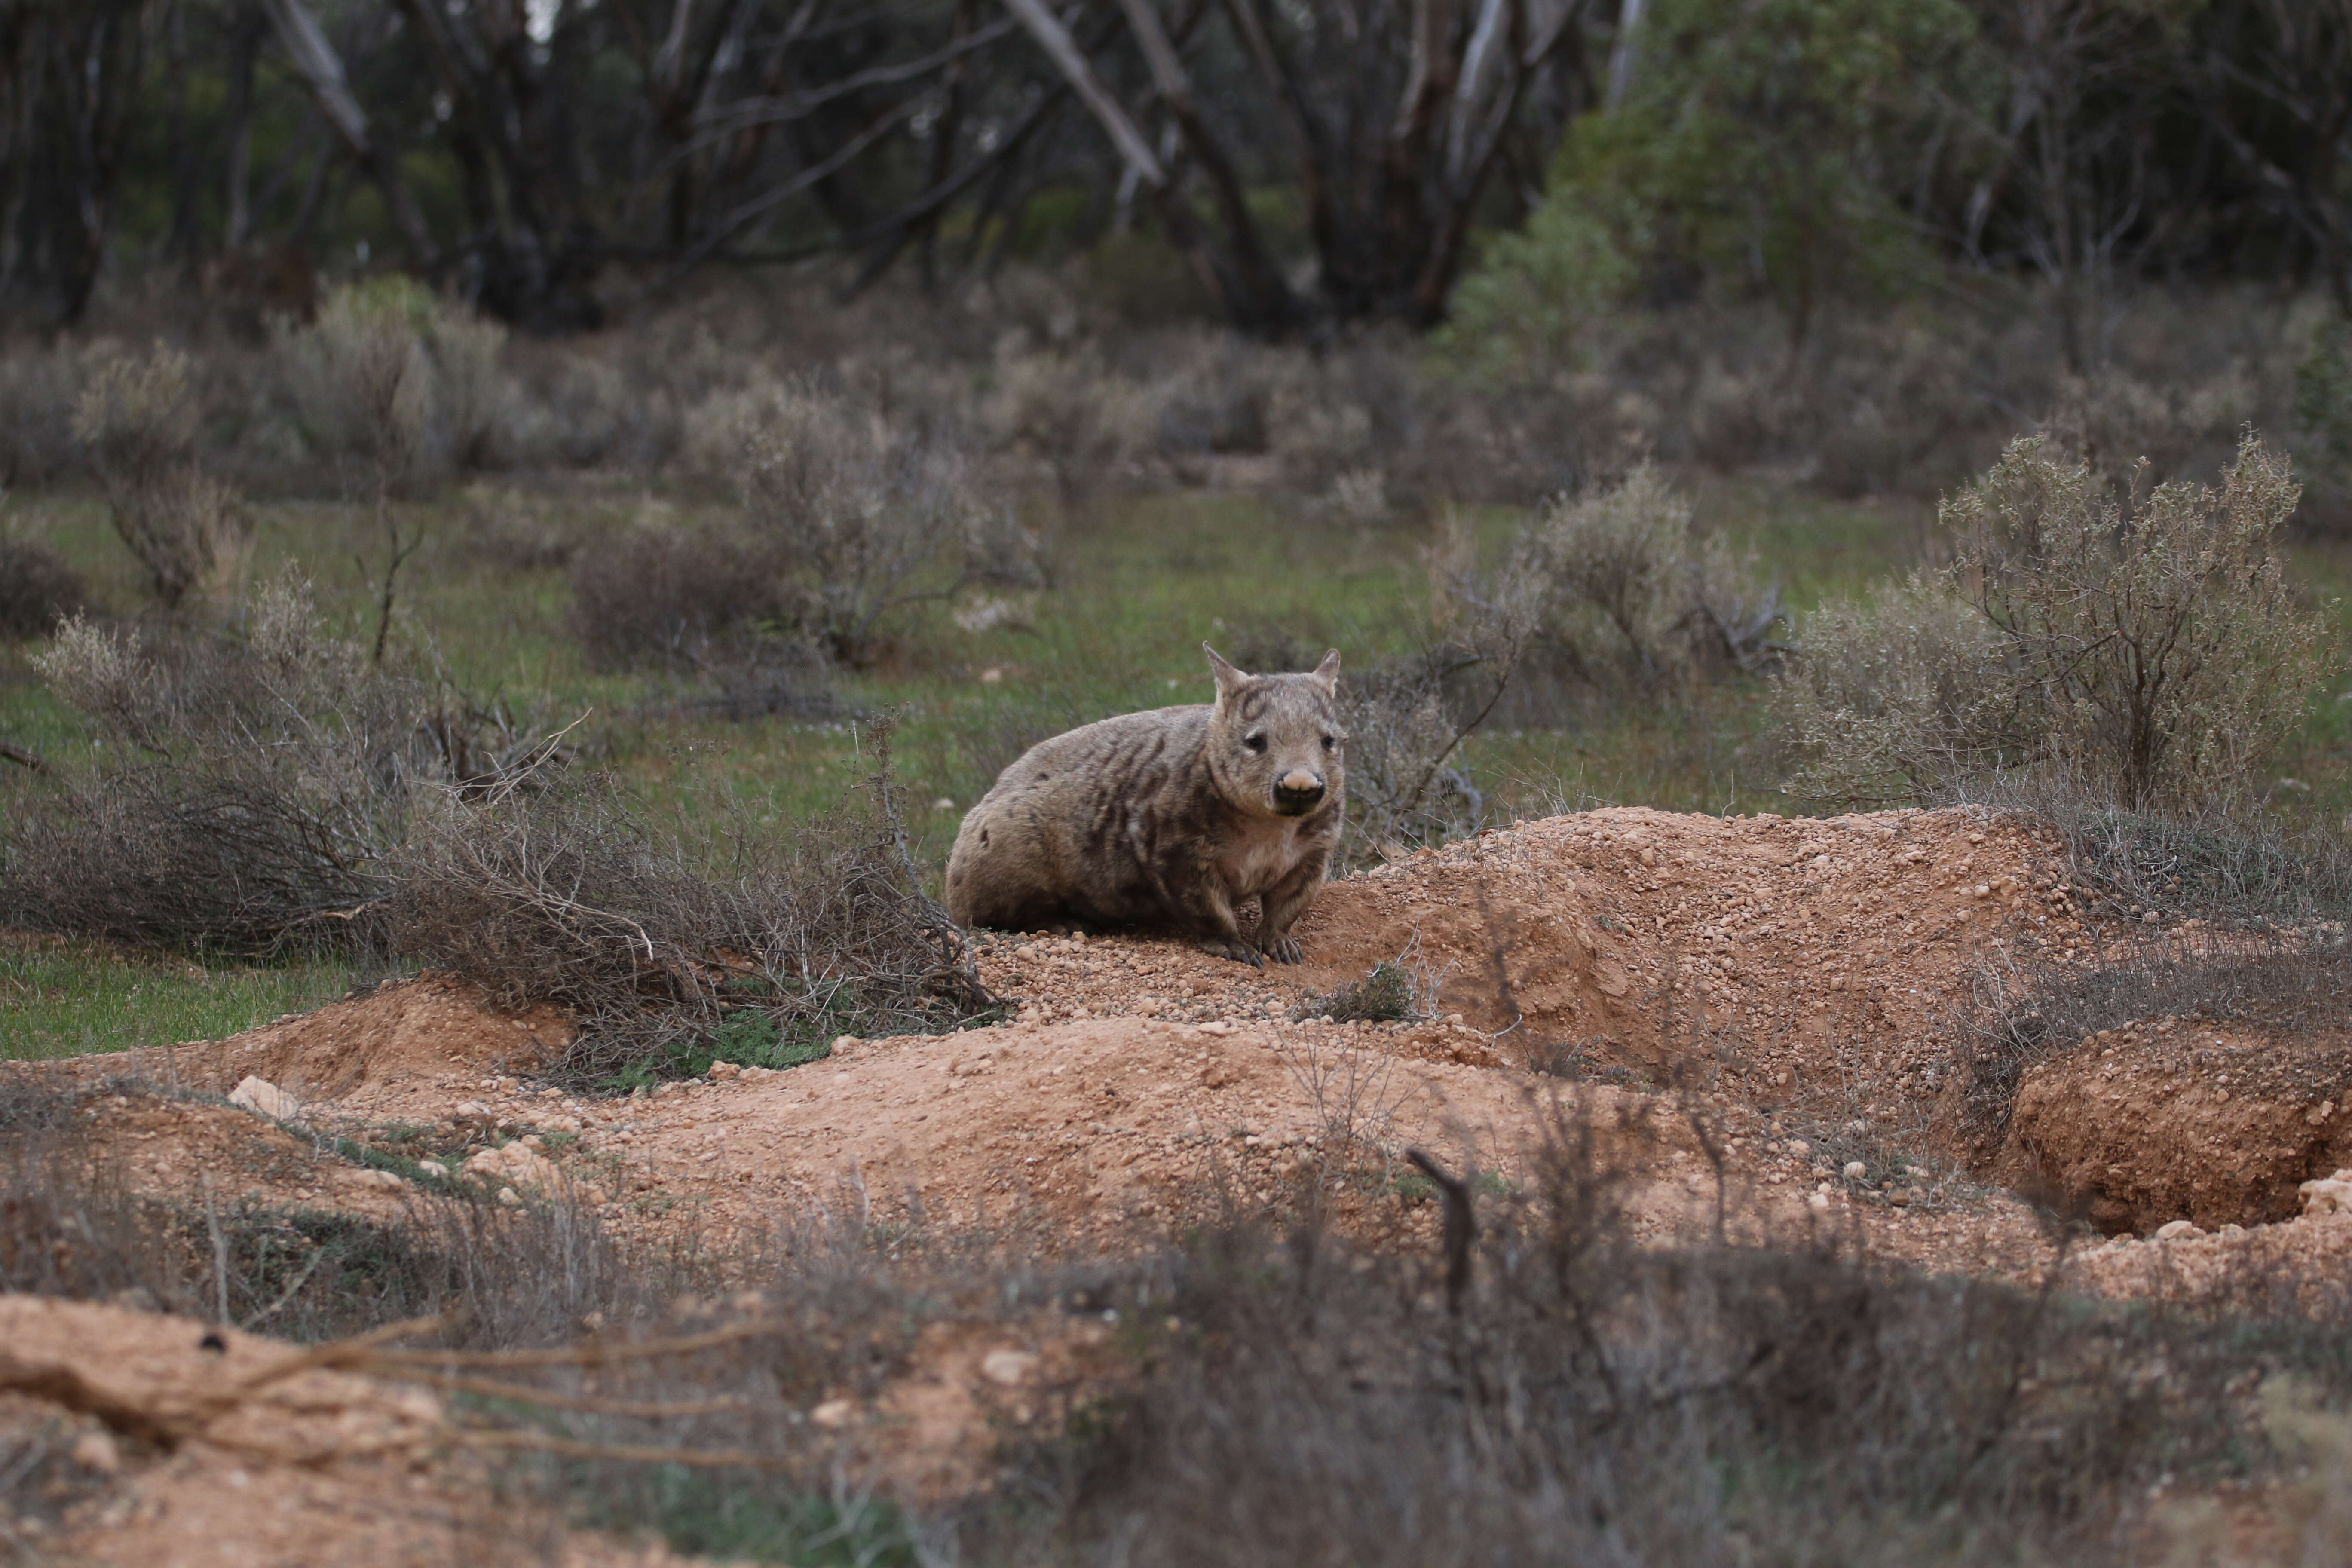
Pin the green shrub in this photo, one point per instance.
(1749, 143)
(2146, 648)
(1386, 995)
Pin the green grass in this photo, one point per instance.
(63, 999)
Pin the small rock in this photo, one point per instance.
(844, 1044)
(2173, 1230)
(1219, 1027)
(1817, 1201)
(264, 1097)
(388, 1181)
(509, 1197)
(1855, 1170)
(1011, 1368)
(1216, 1074)
(434, 1168)
(833, 1414)
(470, 1110)
(2329, 1195)
(722, 1071)
(96, 1452)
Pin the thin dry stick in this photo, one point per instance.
(583, 1355)
(220, 1250)
(638, 1453)
(588, 1403)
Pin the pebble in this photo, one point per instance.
(264, 1097)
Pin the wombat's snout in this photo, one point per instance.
(1297, 792)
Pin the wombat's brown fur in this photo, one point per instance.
(1171, 817)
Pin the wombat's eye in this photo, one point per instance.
(1329, 742)
(1255, 742)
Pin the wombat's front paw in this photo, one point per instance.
(1285, 950)
(1239, 951)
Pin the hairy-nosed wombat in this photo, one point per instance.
(1172, 816)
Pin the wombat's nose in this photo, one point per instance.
(1297, 792)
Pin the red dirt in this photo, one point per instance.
(2164, 1119)
(1785, 988)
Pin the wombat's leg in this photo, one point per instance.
(1281, 905)
(1213, 908)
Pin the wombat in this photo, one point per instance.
(1171, 817)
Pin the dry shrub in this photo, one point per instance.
(250, 788)
(37, 589)
(395, 378)
(1068, 413)
(669, 948)
(2148, 650)
(361, 378)
(849, 515)
(1607, 596)
(137, 418)
(672, 595)
(1306, 1402)
(2231, 869)
(1406, 719)
(39, 386)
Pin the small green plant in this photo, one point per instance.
(1386, 995)
(2323, 400)
(726, 1515)
(749, 1037)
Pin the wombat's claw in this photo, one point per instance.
(1239, 951)
(1286, 950)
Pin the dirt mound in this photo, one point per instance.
(394, 1032)
(1766, 986)
(1784, 944)
(2168, 1119)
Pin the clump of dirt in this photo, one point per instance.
(2168, 1118)
(390, 1033)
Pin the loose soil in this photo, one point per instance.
(1759, 1014)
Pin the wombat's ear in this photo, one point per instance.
(1328, 672)
(1229, 680)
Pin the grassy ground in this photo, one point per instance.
(59, 999)
(1136, 582)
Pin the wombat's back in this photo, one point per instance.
(1071, 830)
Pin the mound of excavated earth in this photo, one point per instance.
(2167, 1119)
(1779, 994)
(1776, 992)
(1757, 1016)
